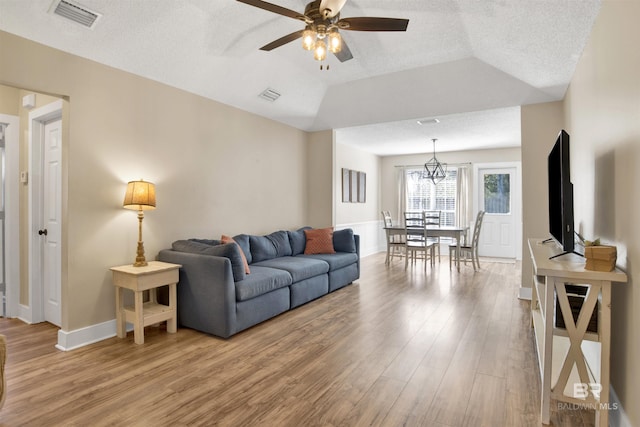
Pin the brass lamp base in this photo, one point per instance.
(140, 260)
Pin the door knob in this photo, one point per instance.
(41, 232)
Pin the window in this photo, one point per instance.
(497, 193)
(423, 195)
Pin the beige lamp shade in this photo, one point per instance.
(140, 196)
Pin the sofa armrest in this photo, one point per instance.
(206, 292)
(356, 238)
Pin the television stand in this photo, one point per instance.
(573, 361)
(565, 253)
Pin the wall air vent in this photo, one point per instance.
(75, 12)
(269, 95)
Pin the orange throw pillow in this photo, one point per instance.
(227, 239)
(319, 241)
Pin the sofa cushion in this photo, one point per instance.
(343, 241)
(299, 267)
(210, 242)
(261, 281)
(245, 263)
(319, 241)
(228, 250)
(335, 261)
(280, 240)
(268, 247)
(297, 240)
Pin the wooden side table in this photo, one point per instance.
(140, 279)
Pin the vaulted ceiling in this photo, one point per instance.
(471, 61)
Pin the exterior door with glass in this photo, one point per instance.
(498, 196)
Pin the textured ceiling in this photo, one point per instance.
(457, 56)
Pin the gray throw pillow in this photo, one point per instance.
(343, 241)
(298, 240)
(227, 250)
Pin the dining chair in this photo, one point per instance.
(395, 241)
(417, 245)
(469, 251)
(434, 219)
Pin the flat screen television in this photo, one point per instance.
(561, 194)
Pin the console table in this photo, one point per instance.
(573, 362)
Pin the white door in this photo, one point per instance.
(52, 227)
(496, 190)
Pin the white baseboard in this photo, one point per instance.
(25, 314)
(524, 293)
(70, 340)
(617, 416)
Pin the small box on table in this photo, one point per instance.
(600, 258)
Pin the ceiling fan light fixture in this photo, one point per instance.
(335, 41)
(320, 52)
(309, 39)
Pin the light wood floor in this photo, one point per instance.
(396, 348)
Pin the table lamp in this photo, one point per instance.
(140, 196)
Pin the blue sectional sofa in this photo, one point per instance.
(218, 297)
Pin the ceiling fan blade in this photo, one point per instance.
(275, 9)
(282, 41)
(373, 24)
(345, 52)
(330, 8)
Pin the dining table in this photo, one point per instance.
(434, 231)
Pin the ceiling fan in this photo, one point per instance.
(321, 33)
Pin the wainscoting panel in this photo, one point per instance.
(371, 236)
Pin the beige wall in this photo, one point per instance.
(362, 161)
(540, 125)
(216, 169)
(9, 100)
(602, 110)
(320, 185)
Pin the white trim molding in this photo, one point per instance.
(71, 340)
(524, 293)
(12, 214)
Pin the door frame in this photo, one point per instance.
(12, 214)
(516, 197)
(37, 120)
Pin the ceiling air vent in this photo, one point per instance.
(428, 121)
(75, 12)
(269, 95)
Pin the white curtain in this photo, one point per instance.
(402, 194)
(463, 204)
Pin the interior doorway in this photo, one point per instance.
(9, 216)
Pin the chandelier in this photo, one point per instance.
(433, 169)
